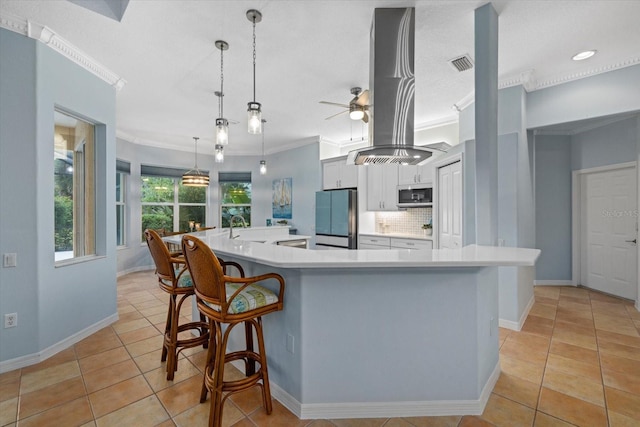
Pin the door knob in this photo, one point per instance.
(631, 241)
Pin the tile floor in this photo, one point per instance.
(576, 362)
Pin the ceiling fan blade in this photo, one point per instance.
(365, 118)
(334, 103)
(363, 98)
(341, 112)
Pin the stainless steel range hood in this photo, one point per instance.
(391, 92)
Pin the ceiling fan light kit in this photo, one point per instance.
(357, 107)
(254, 111)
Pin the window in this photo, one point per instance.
(163, 196)
(122, 172)
(74, 187)
(235, 196)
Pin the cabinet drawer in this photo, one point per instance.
(375, 240)
(411, 244)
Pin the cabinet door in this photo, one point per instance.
(425, 173)
(390, 188)
(348, 175)
(382, 182)
(450, 206)
(374, 188)
(330, 175)
(407, 174)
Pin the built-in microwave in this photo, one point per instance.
(414, 196)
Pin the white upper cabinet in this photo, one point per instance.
(421, 174)
(382, 182)
(337, 174)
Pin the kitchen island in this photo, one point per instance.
(380, 333)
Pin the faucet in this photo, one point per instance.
(244, 225)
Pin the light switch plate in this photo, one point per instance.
(9, 260)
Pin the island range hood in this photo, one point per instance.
(392, 92)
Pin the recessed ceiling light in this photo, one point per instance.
(583, 55)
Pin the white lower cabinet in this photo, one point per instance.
(377, 242)
(403, 243)
(374, 242)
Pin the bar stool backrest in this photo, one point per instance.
(161, 256)
(206, 271)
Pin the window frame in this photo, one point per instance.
(242, 179)
(175, 205)
(121, 205)
(85, 239)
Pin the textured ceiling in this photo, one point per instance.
(308, 51)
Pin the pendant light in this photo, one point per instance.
(219, 154)
(195, 177)
(254, 113)
(263, 162)
(222, 124)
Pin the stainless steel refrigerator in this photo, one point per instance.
(337, 219)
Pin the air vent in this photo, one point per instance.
(462, 63)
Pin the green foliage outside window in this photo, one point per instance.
(235, 198)
(159, 204)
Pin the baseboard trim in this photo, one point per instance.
(517, 326)
(32, 359)
(135, 270)
(386, 409)
(554, 282)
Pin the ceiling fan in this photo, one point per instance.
(357, 107)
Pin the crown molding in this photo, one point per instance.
(441, 121)
(554, 81)
(48, 37)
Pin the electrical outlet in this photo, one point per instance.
(10, 320)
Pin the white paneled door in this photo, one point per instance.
(450, 206)
(609, 221)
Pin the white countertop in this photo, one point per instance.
(287, 257)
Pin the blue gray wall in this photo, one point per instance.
(556, 157)
(301, 164)
(53, 303)
(553, 206)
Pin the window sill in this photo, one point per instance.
(78, 260)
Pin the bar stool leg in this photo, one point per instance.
(167, 328)
(250, 364)
(266, 390)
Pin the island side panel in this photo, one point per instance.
(487, 288)
(398, 335)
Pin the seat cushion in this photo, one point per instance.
(251, 297)
(184, 281)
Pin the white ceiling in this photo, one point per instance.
(308, 51)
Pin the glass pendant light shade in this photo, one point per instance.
(222, 131)
(222, 124)
(254, 117)
(195, 177)
(219, 155)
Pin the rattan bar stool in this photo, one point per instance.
(229, 301)
(174, 278)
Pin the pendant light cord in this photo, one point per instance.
(196, 139)
(221, 83)
(254, 59)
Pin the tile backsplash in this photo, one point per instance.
(403, 222)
